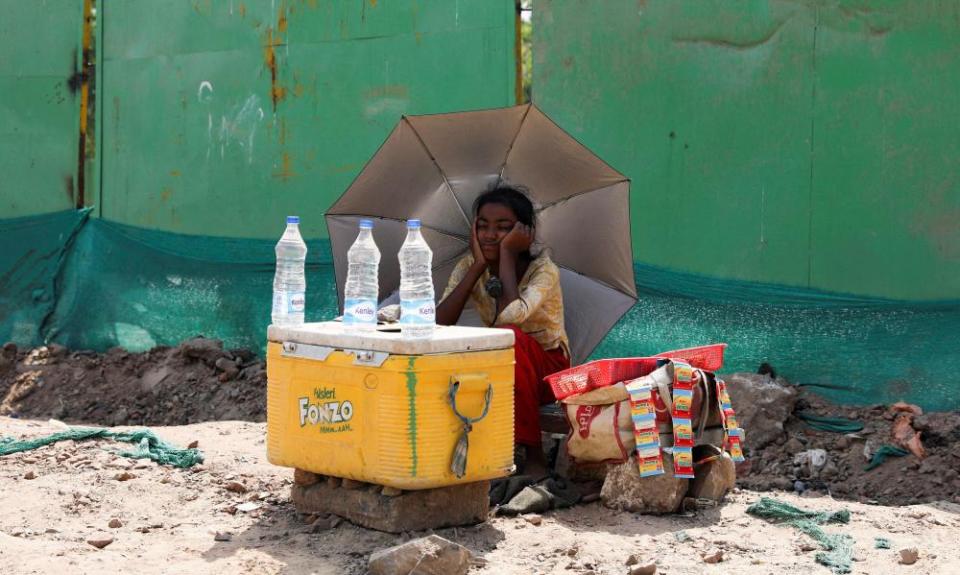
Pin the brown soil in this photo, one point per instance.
(195, 381)
(898, 481)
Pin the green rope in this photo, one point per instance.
(881, 543)
(838, 548)
(884, 452)
(148, 445)
(831, 424)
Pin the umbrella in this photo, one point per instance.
(433, 167)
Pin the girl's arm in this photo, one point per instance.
(449, 310)
(517, 241)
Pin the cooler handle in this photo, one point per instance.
(458, 463)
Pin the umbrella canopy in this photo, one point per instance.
(433, 168)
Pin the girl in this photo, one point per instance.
(511, 288)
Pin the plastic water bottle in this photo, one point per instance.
(290, 283)
(361, 291)
(418, 314)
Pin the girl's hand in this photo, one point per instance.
(475, 245)
(518, 240)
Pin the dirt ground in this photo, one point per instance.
(169, 521)
(233, 513)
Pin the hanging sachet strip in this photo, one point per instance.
(733, 434)
(683, 384)
(644, 417)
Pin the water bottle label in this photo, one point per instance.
(296, 302)
(359, 311)
(418, 312)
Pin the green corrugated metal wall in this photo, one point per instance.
(220, 118)
(810, 143)
(39, 111)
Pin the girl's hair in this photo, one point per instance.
(511, 197)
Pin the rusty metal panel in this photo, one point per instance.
(808, 143)
(39, 105)
(219, 118)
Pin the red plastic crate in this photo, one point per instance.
(705, 357)
(604, 372)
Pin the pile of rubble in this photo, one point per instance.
(195, 381)
(784, 451)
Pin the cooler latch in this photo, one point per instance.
(368, 358)
(305, 351)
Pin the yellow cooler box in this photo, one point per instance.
(377, 408)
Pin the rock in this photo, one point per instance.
(713, 556)
(324, 523)
(431, 555)
(223, 536)
(391, 491)
(228, 367)
(100, 541)
(115, 523)
(304, 478)
(909, 556)
(248, 507)
(829, 471)
(119, 417)
(843, 443)
(351, 484)
(712, 479)
(794, 446)
(193, 444)
(30, 475)
(124, 476)
(235, 486)
(632, 560)
(207, 350)
(625, 489)
(533, 519)
(417, 510)
(762, 404)
(648, 569)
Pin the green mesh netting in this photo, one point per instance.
(148, 445)
(883, 453)
(831, 424)
(838, 547)
(34, 250)
(90, 283)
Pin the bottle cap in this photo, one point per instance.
(366, 224)
(413, 224)
(293, 219)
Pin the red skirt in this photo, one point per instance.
(530, 391)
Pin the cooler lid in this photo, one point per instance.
(387, 338)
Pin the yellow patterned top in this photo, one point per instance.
(539, 309)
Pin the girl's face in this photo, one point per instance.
(494, 222)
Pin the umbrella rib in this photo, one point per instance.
(439, 169)
(506, 157)
(578, 194)
(601, 282)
